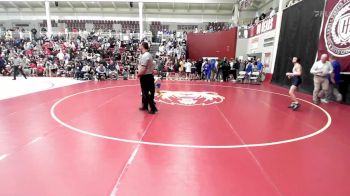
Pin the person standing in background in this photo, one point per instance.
(334, 81)
(2, 64)
(206, 70)
(158, 62)
(259, 66)
(188, 66)
(225, 70)
(199, 64)
(236, 69)
(18, 66)
(214, 69)
(321, 70)
(249, 68)
(193, 70)
(272, 12)
(219, 75)
(182, 73)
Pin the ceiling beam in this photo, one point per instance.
(70, 4)
(188, 7)
(27, 4)
(42, 4)
(14, 5)
(114, 5)
(173, 6)
(158, 6)
(84, 4)
(218, 8)
(99, 4)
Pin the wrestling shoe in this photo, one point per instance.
(296, 106)
(291, 105)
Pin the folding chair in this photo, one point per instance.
(254, 77)
(241, 76)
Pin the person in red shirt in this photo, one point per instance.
(47, 51)
(7, 71)
(40, 70)
(33, 68)
(30, 52)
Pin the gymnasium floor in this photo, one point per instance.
(208, 139)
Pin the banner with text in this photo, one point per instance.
(264, 26)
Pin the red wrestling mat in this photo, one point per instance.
(207, 139)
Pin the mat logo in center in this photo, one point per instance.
(189, 98)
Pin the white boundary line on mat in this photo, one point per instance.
(52, 111)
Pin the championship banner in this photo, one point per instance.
(335, 36)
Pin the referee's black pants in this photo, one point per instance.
(225, 75)
(16, 69)
(235, 74)
(148, 89)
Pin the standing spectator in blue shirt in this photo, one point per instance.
(249, 68)
(260, 66)
(334, 80)
(213, 68)
(207, 70)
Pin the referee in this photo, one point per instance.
(18, 66)
(145, 74)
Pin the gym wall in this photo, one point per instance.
(217, 44)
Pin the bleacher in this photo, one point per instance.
(44, 23)
(187, 27)
(126, 26)
(157, 26)
(216, 26)
(74, 24)
(132, 26)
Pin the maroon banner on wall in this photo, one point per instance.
(335, 36)
(217, 44)
(264, 26)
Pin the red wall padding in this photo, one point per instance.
(219, 44)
